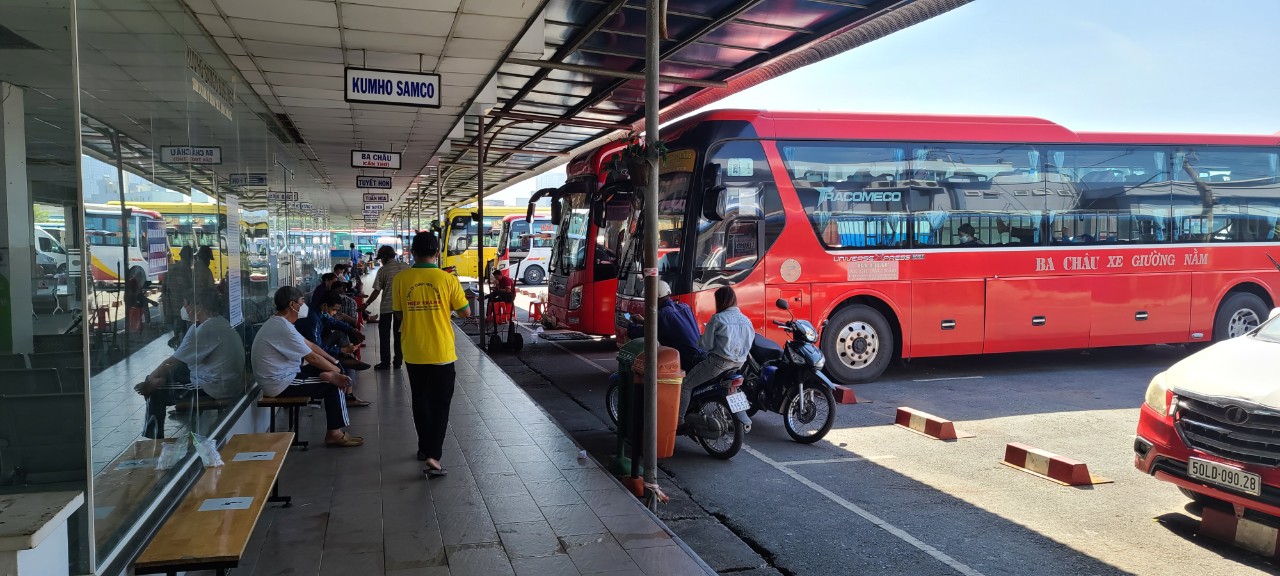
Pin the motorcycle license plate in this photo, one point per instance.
(1227, 476)
(738, 402)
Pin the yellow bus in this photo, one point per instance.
(192, 224)
(461, 236)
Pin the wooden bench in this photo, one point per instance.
(294, 405)
(232, 496)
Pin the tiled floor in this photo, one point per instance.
(517, 499)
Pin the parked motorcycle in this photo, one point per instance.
(788, 380)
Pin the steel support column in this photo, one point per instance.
(653, 22)
(480, 149)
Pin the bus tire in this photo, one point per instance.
(534, 276)
(1239, 313)
(858, 344)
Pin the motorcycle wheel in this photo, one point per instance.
(611, 399)
(813, 422)
(730, 442)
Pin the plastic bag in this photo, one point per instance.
(170, 454)
(207, 449)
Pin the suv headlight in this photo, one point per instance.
(1158, 395)
(575, 297)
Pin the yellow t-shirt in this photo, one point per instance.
(426, 297)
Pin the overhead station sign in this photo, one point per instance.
(391, 87)
(374, 208)
(373, 159)
(192, 154)
(248, 179)
(377, 197)
(383, 182)
(274, 196)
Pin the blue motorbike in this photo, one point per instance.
(788, 380)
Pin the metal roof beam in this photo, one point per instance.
(553, 120)
(514, 150)
(627, 74)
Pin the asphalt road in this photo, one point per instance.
(873, 498)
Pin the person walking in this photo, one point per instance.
(389, 321)
(426, 297)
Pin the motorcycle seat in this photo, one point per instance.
(764, 349)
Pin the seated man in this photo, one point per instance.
(326, 281)
(337, 338)
(348, 310)
(278, 353)
(208, 364)
(967, 236)
(503, 288)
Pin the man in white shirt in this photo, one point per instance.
(278, 353)
(388, 320)
(209, 363)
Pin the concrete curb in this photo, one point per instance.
(927, 424)
(1049, 466)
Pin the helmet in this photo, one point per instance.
(664, 289)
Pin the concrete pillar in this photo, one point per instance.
(17, 255)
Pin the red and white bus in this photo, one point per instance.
(918, 236)
(588, 238)
(524, 246)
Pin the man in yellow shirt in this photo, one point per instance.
(426, 297)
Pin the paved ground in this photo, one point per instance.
(874, 499)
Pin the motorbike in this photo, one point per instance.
(716, 418)
(788, 380)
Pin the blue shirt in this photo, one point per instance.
(729, 335)
(678, 329)
(316, 325)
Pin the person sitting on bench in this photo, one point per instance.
(503, 288)
(278, 353)
(337, 338)
(208, 363)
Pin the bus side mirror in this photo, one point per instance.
(714, 204)
(462, 244)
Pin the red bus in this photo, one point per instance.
(524, 247)
(590, 221)
(917, 236)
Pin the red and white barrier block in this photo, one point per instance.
(1049, 466)
(928, 424)
(1246, 533)
(844, 395)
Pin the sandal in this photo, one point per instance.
(347, 441)
(433, 472)
(354, 402)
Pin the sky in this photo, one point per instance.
(1208, 66)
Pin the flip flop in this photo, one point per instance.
(347, 441)
(435, 472)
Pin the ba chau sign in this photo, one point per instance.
(390, 87)
(373, 159)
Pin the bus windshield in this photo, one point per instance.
(673, 208)
(570, 247)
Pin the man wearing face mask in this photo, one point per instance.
(335, 337)
(209, 363)
(278, 353)
(967, 235)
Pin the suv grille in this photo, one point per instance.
(1210, 428)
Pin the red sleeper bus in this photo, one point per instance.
(588, 238)
(918, 236)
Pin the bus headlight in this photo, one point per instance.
(1158, 395)
(575, 297)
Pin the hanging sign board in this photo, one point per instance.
(194, 155)
(248, 179)
(389, 87)
(377, 197)
(282, 196)
(372, 159)
(373, 208)
(383, 182)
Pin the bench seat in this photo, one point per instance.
(294, 405)
(216, 538)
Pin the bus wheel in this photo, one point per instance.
(533, 276)
(858, 344)
(1239, 313)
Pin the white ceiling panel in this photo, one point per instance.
(215, 25)
(307, 12)
(299, 67)
(472, 48)
(464, 65)
(264, 49)
(508, 8)
(287, 33)
(312, 102)
(434, 5)
(200, 6)
(230, 46)
(488, 27)
(304, 81)
(391, 60)
(387, 42)
(396, 20)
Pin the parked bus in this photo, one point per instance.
(524, 247)
(588, 238)
(918, 236)
(148, 245)
(194, 224)
(461, 236)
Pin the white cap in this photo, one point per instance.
(664, 289)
